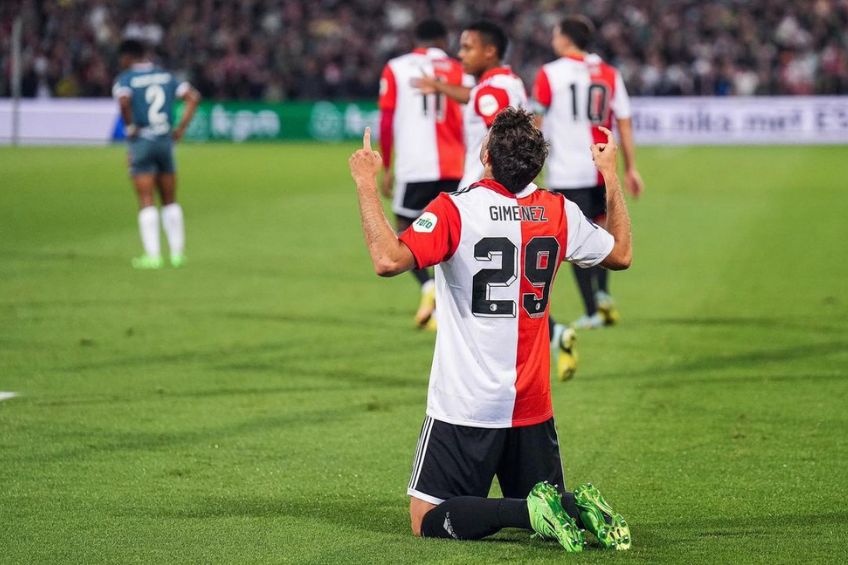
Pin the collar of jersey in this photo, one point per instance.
(433, 52)
(492, 184)
(505, 70)
(146, 66)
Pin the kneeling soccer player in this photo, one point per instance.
(497, 246)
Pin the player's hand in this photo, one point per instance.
(365, 163)
(604, 154)
(388, 185)
(426, 84)
(633, 182)
(178, 133)
(131, 131)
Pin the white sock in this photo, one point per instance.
(148, 225)
(172, 221)
(428, 286)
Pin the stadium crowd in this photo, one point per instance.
(310, 49)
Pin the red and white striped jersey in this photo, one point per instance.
(496, 256)
(498, 88)
(577, 94)
(425, 130)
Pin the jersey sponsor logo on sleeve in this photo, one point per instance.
(488, 105)
(425, 223)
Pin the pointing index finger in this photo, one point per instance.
(366, 139)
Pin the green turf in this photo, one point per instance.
(263, 404)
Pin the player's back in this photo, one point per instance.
(152, 92)
(498, 88)
(427, 128)
(578, 94)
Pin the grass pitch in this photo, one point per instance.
(263, 404)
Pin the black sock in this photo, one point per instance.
(571, 509)
(602, 277)
(473, 517)
(586, 284)
(421, 275)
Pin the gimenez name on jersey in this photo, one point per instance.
(517, 214)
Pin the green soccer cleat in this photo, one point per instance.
(147, 262)
(563, 344)
(178, 260)
(599, 518)
(549, 519)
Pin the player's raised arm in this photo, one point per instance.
(389, 256)
(618, 220)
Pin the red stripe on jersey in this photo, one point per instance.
(542, 89)
(387, 133)
(603, 74)
(449, 140)
(545, 241)
(388, 89)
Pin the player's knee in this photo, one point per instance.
(418, 509)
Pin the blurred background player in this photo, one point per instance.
(577, 94)
(482, 49)
(146, 95)
(425, 132)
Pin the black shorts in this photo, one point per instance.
(592, 201)
(412, 197)
(462, 461)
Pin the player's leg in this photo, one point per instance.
(148, 222)
(451, 476)
(587, 279)
(143, 173)
(531, 467)
(603, 298)
(172, 212)
(563, 349)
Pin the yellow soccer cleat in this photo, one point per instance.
(607, 309)
(427, 307)
(564, 349)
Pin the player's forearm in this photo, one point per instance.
(618, 225)
(387, 252)
(192, 102)
(455, 91)
(628, 146)
(126, 111)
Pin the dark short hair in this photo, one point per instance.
(517, 149)
(579, 29)
(491, 34)
(133, 48)
(430, 30)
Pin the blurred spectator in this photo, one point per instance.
(308, 49)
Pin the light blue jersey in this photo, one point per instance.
(152, 92)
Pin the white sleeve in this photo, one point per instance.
(588, 244)
(182, 89)
(119, 91)
(620, 100)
